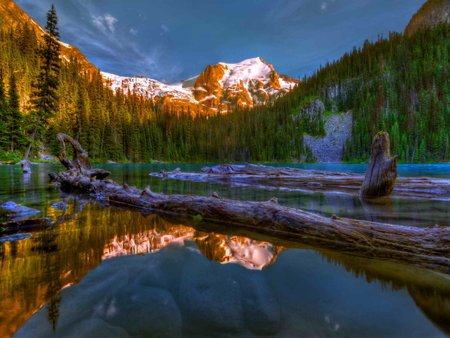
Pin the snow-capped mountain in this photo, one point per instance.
(216, 89)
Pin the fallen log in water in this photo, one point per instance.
(269, 177)
(423, 247)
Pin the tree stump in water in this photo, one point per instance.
(382, 170)
(25, 164)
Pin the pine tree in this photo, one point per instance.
(45, 98)
(17, 138)
(3, 116)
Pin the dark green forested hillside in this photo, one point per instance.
(398, 84)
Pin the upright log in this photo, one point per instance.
(80, 156)
(25, 164)
(382, 172)
(80, 164)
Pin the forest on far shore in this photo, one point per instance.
(397, 84)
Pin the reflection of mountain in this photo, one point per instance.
(249, 253)
(244, 251)
(147, 241)
(64, 255)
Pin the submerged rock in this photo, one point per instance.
(145, 312)
(18, 212)
(9, 205)
(262, 312)
(15, 238)
(210, 298)
(94, 328)
(59, 206)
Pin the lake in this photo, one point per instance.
(100, 271)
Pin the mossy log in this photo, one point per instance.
(423, 247)
(382, 170)
(268, 177)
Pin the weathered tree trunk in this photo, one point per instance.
(80, 164)
(382, 170)
(80, 156)
(25, 164)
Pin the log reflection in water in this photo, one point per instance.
(379, 210)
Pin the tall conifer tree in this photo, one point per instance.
(45, 98)
(3, 116)
(17, 138)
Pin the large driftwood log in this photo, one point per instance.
(308, 180)
(423, 247)
(382, 170)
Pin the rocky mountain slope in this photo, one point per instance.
(217, 89)
(431, 13)
(12, 16)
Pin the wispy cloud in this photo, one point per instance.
(105, 23)
(165, 29)
(107, 44)
(326, 4)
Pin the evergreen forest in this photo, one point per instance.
(398, 84)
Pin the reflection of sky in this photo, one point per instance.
(173, 40)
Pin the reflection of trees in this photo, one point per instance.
(430, 291)
(434, 305)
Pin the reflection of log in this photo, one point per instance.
(378, 209)
(425, 247)
(310, 180)
(382, 170)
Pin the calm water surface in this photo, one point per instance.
(105, 272)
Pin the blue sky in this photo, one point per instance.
(171, 40)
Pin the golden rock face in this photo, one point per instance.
(12, 16)
(430, 14)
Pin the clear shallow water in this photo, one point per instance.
(123, 274)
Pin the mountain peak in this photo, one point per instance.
(430, 14)
(217, 89)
